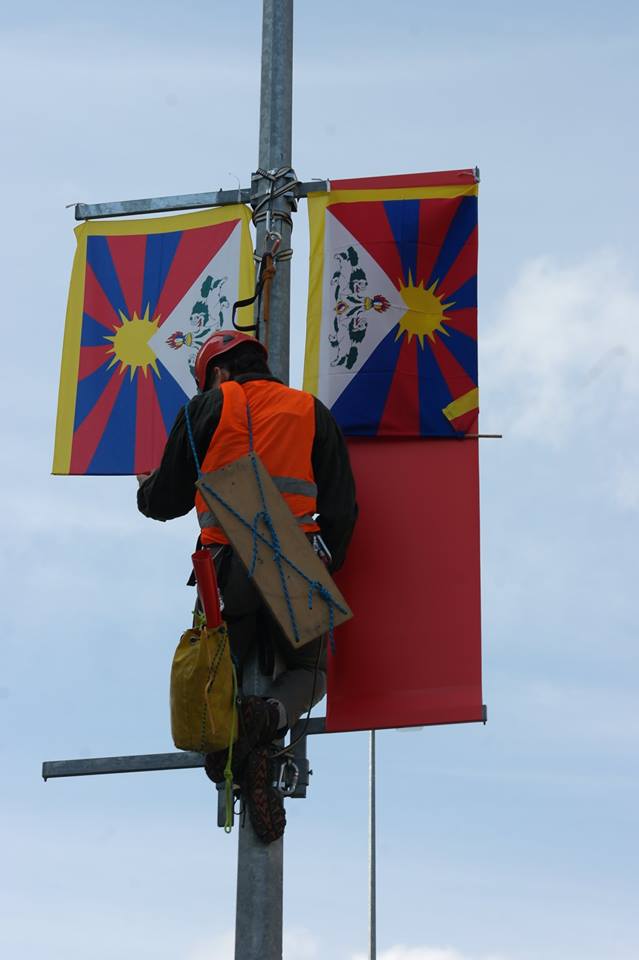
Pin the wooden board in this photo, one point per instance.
(236, 484)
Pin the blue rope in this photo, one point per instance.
(266, 517)
(314, 585)
(263, 515)
(191, 440)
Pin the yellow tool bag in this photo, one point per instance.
(203, 691)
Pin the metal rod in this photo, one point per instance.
(260, 867)
(276, 114)
(179, 760)
(372, 861)
(260, 873)
(463, 436)
(185, 201)
(146, 762)
(143, 763)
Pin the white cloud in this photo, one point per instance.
(219, 948)
(400, 952)
(299, 944)
(564, 347)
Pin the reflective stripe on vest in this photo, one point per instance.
(209, 519)
(283, 422)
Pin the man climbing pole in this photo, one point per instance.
(302, 448)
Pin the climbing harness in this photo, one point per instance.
(280, 558)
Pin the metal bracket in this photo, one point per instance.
(184, 201)
(144, 763)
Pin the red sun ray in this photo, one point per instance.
(91, 358)
(464, 267)
(401, 412)
(467, 423)
(463, 320)
(128, 254)
(195, 250)
(151, 438)
(457, 380)
(368, 223)
(96, 303)
(435, 218)
(88, 435)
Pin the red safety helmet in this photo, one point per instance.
(220, 342)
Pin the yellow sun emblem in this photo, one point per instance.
(131, 343)
(426, 313)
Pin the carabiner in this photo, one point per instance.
(287, 782)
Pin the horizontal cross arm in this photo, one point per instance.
(183, 201)
(134, 764)
(144, 763)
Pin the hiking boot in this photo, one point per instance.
(265, 803)
(259, 722)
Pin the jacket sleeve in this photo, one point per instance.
(169, 492)
(336, 503)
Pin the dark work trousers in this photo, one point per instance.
(253, 629)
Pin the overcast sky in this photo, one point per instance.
(514, 841)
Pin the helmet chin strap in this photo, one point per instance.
(223, 379)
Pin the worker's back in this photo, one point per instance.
(278, 423)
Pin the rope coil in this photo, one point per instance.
(289, 181)
(263, 205)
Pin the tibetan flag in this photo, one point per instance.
(144, 296)
(391, 342)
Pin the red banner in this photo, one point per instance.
(411, 656)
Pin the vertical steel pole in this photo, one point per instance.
(372, 866)
(276, 116)
(260, 868)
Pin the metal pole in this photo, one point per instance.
(276, 115)
(260, 868)
(372, 867)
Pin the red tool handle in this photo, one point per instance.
(207, 587)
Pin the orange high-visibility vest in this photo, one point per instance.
(283, 422)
